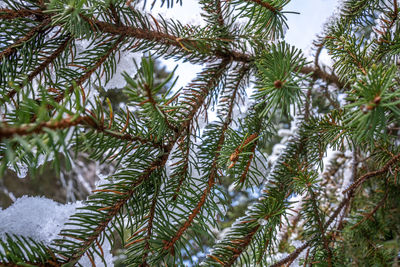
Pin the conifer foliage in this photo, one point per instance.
(166, 196)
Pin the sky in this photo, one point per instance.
(303, 28)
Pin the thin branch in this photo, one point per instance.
(219, 12)
(366, 176)
(89, 73)
(169, 39)
(156, 164)
(11, 14)
(318, 53)
(265, 5)
(149, 227)
(369, 215)
(162, 38)
(322, 75)
(393, 16)
(321, 227)
(244, 244)
(117, 206)
(248, 164)
(13, 48)
(50, 59)
(297, 252)
(153, 103)
(213, 173)
(292, 256)
(184, 169)
(85, 121)
(44, 64)
(10, 131)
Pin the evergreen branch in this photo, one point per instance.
(366, 176)
(211, 182)
(89, 72)
(31, 33)
(175, 41)
(49, 60)
(34, 128)
(244, 243)
(247, 168)
(320, 226)
(149, 228)
(162, 38)
(317, 73)
(351, 193)
(116, 208)
(183, 172)
(219, 13)
(292, 256)
(10, 14)
(157, 109)
(264, 216)
(212, 175)
(371, 213)
(214, 15)
(265, 5)
(158, 163)
(297, 252)
(292, 225)
(21, 251)
(86, 121)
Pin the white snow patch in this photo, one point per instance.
(36, 217)
(42, 219)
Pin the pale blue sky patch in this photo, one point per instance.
(303, 28)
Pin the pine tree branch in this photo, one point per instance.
(366, 176)
(342, 204)
(393, 16)
(317, 73)
(49, 60)
(320, 226)
(168, 246)
(162, 38)
(153, 103)
(221, 21)
(246, 229)
(156, 164)
(245, 242)
(116, 208)
(350, 194)
(292, 225)
(85, 121)
(297, 252)
(265, 5)
(292, 256)
(246, 170)
(149, 228)
(88, 74)
(175, 41)
(185, 167)
(10, 14)
(369, 215)
(8, 132)
(31, 33)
